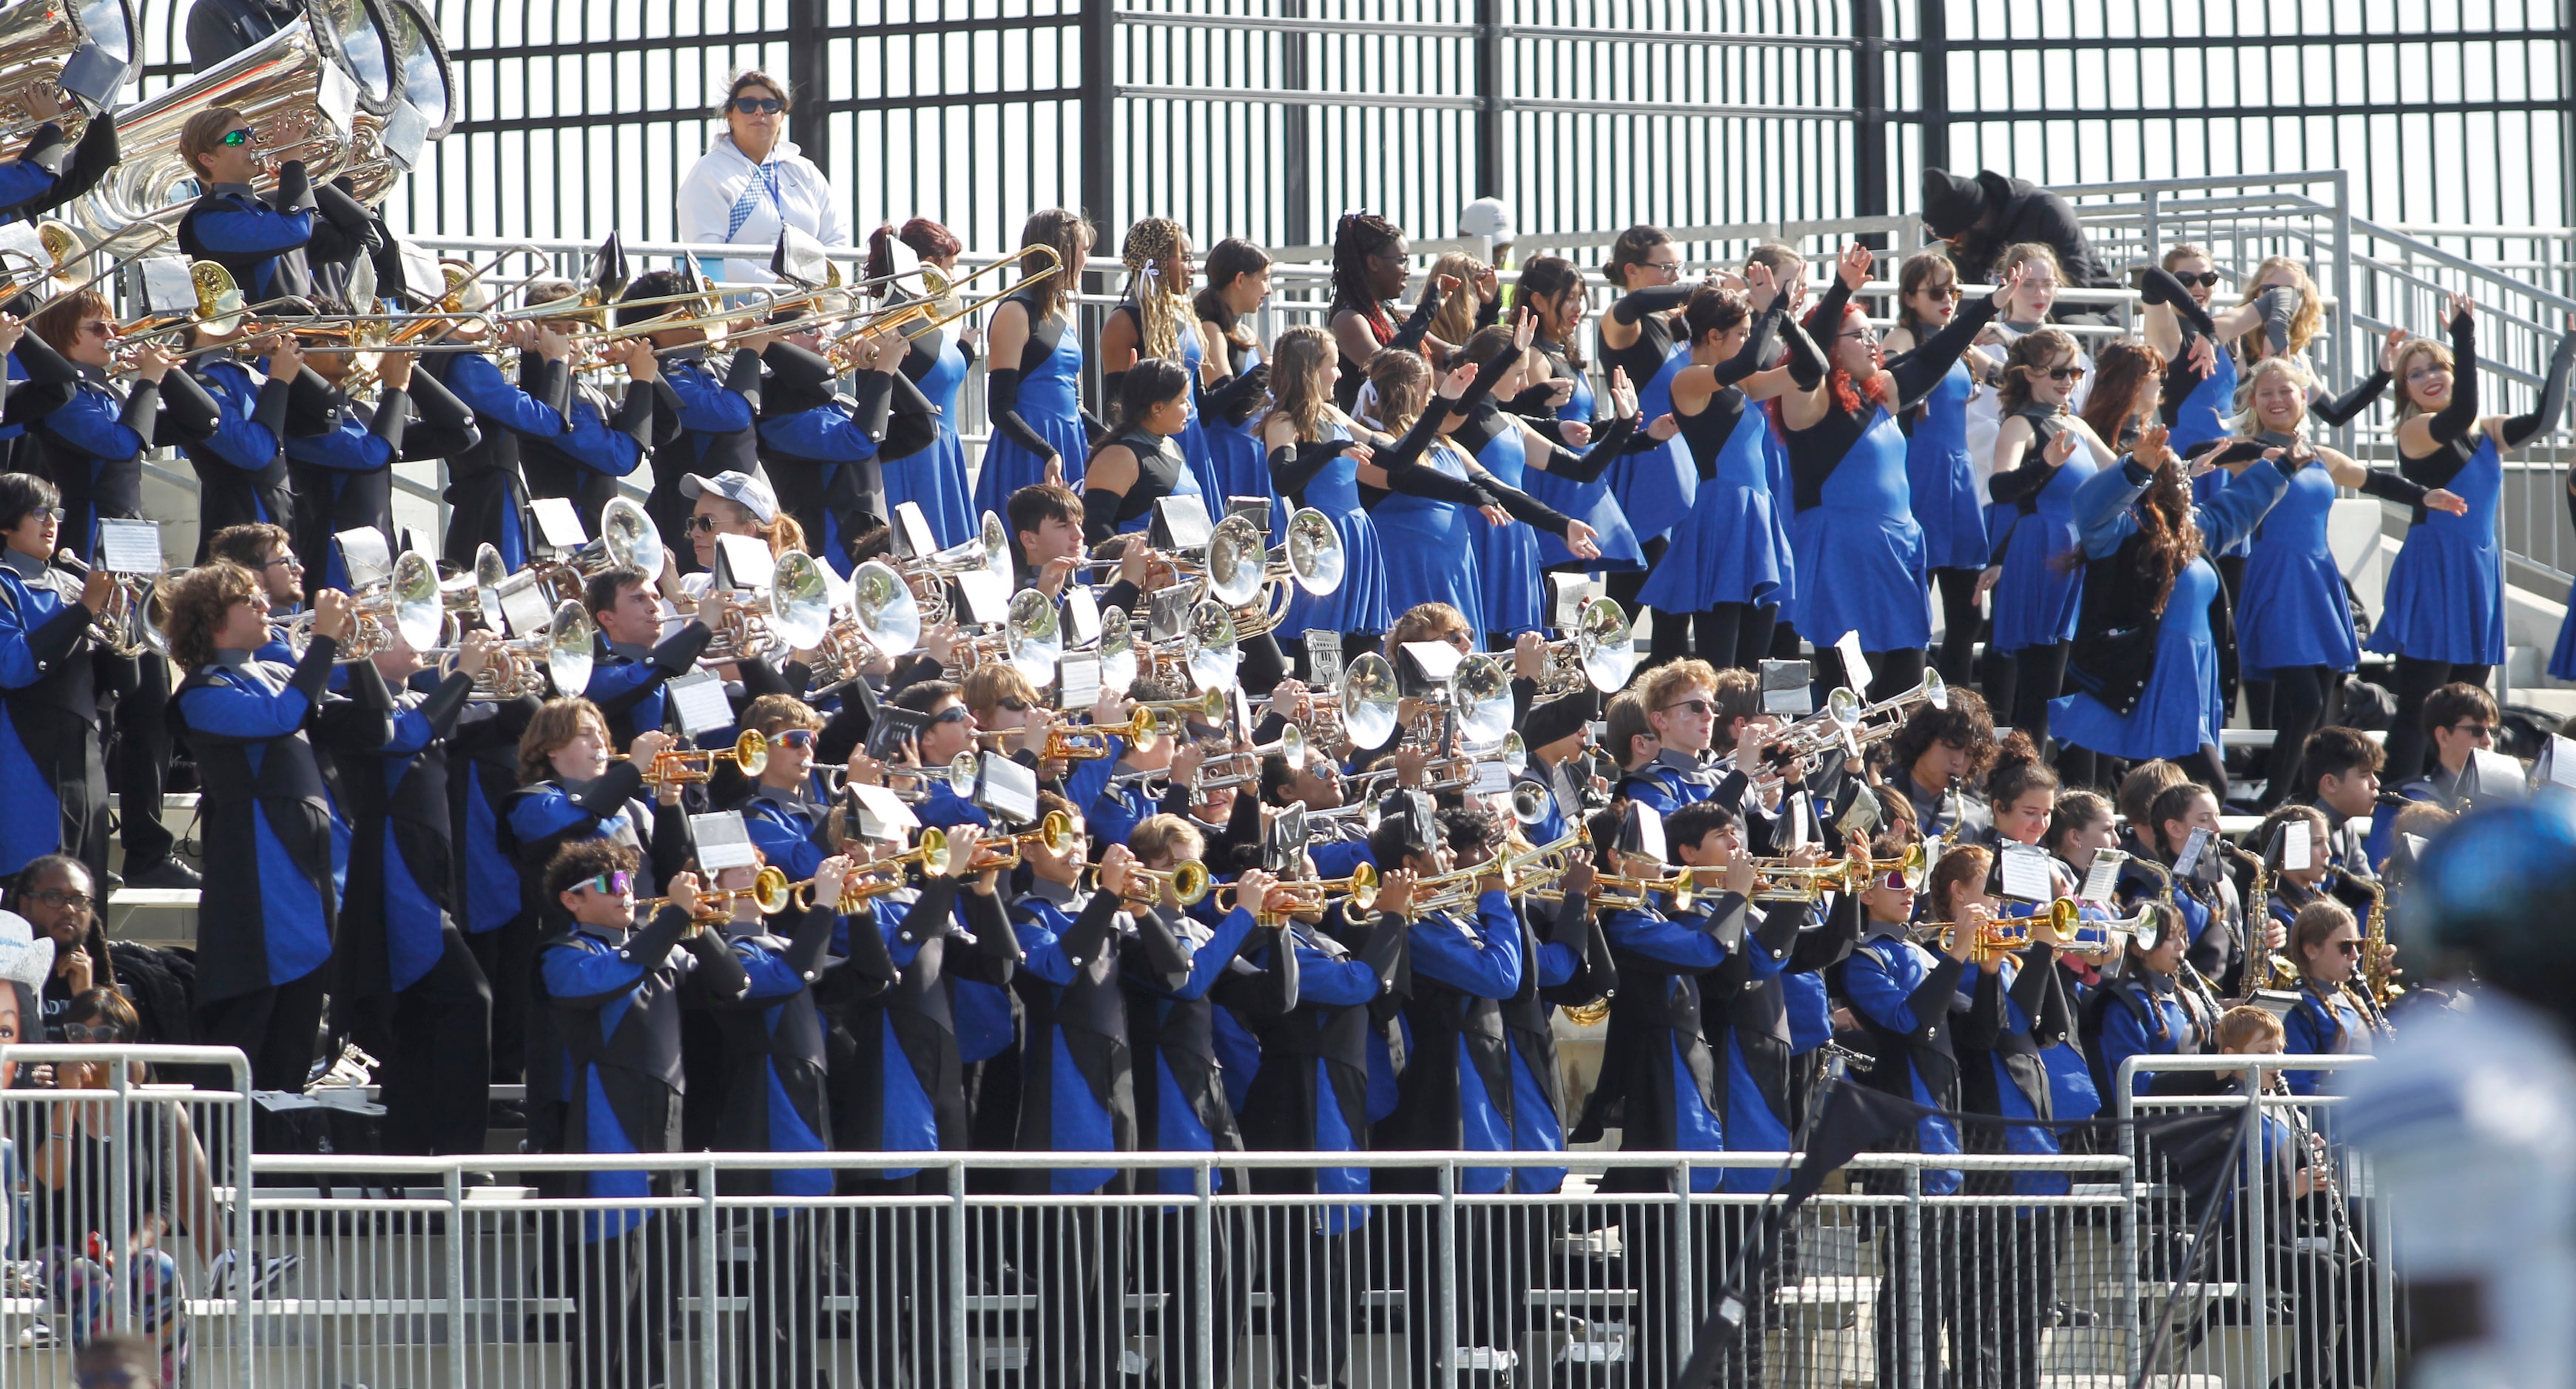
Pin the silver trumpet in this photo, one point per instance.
(561, 654)
(882, 619)
(405, 606)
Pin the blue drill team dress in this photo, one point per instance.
(1942, 478)
(2445, 598)
(1359, 604)
(935, 478)
(1429, 551)
(1050, 401)
(1656, 483)
(2292, 612)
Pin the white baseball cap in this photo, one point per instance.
(1488, 218)
(750, 491)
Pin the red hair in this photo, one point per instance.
(1847, 392)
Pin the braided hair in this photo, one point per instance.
(1356, 238)
(1161, 306)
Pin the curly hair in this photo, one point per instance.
(2018, 771)
(2121, 373)
(1966, 724)
(2171, 533)
(1161, 299)
(2031, 354)
(2306, 321)
(1063, 231)
(1356, 238)
(195, 604)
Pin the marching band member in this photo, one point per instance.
(53, 776)
(261, 241)
(635, 659)
(241, 465)
(408, 986)
(488, 495)
(1455, 1092)
(933, 475)
(2291, 889)
(602, 440)
(341, 464)
(2157, 1005)
(2325, 948)
(706, 411)
(615, 991)
(270, 908)
(2339, 776)
(1035, 402)
(2017, 1012)
(776, 1101)
(825, 455)
(2460, 721)
(2443, 616)
(1680, 705)
(736, 504)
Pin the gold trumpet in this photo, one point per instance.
(877, 877)
(680, 766)
(1777, 880)
(1999, 935)
(1308, 896)
(770, 891)
(1187, 880)
(1055, 832)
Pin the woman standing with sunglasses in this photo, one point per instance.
(752, 183)
(2043, 455)
(1940, 471)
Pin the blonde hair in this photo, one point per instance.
(2406, 355)
(1456, 317)
(776, 713)
(2309, 318)
(1162, 837)
(1297, 390)
(2016, 255)
(2248, 420)
(986, 686)
(1162, 306)
(2185, 250)
(1403, 382)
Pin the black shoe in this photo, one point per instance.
(168, 872)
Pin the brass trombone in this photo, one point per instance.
(918, 317)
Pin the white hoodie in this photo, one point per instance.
(722, 198)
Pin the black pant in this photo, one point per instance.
(438, 1058)
(2023, 684)
(1670, 641)
(1960, 623)
(1314, 1296)
(507, 955)
(1894, 673)
(1733, 636)
(2299, 698)
(1916, 1301)
(626, 1288)
(275, 1028)
(899, 1274)
(142, 762)
(2231, 581)
(2416, 681)
(774, 1345)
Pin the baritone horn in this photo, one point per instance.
(406, 604)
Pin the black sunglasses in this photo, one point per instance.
(759, 105)
(954, 714)
(2207, 279)
(2066, 373)
(705, 524)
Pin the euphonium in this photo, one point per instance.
(1602, 652)
(83, 51)
(406, 603)
(883, 619)
(792, 615)
(295, 90)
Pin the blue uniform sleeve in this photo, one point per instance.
(2124, 1036)
(1660, 938)
(592, 444)
(413, 733)
(22, 617)
(2102, 505)
(1651, 791)
(1555, 964)
(769, 972)
(1112, 816)
(238, 440)
(1342, 983)
(477, 382)
(349, 448)
(1483, 959)
(1878, 994)
(1042, 949)
(22, 181)
(784, 844)
(238, 229)
(2230, 516)
(824, 434)
(90, 424)
(228, 710)
(548, 811)
(1207, 962)
(708, 406)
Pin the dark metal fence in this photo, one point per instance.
(1266, 118)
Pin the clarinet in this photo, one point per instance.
(2310, 1143)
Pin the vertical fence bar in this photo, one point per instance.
(459, 1344)
(959, 1324)
(709, 1249)
(1446, 1261)
(1910, 1338)
(1202, 1288)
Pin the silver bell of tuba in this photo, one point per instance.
(76, 52)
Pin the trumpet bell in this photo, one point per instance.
(1363, 893)
(1315, 556)
(887, 613)
(770, 891)
(1481, 692)
(964, 770)
(1213, 654)
(1529, 802)
(1844, 706)
(1369, 698)
(627, 532)
(569, 644)
(800, 602)
(933, 849)
(751, 752)
(1936, 691)
(1189, 882)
